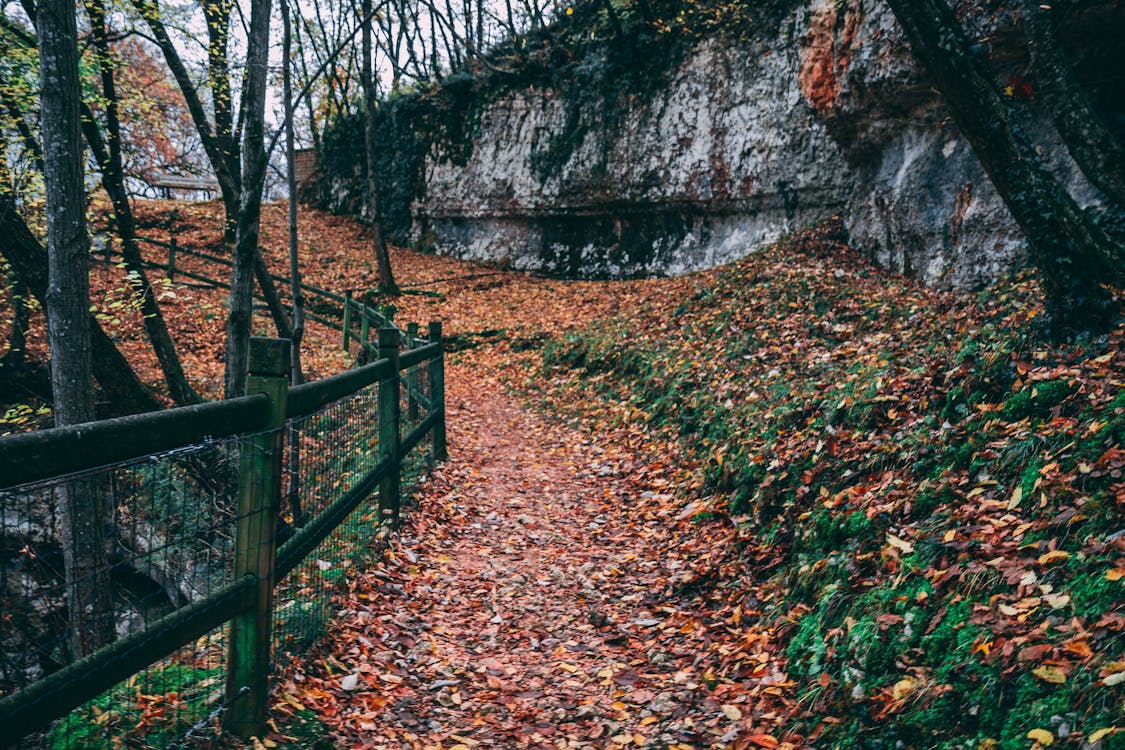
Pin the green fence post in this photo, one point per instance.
(389, 500)
(437, 393)
(412, 381)
(347, 317)
(364, 325)
(259, 502)
(172, 247)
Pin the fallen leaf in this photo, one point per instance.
(1050, 674)
(1053, 556)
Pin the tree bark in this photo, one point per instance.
(1095, 149)
(123, 392)
(1073, 255)
(383, 259)
(217, 15)
(250, 199)
(107, 154)
(83, 515)
(296, 376)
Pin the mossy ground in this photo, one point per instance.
(942, 488)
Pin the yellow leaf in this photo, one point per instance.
(568, 667)
(903, 688)
(1042, 736)
(638, 739)
(1115, 574)
(1017, 496)
(1114, 679)
(1057, 601)
(1101, 734)
(1053, 675)
(732, 712)
(1053, 556)
(901, 544)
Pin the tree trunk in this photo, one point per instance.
(1090, 142)
(83, 515)
(108, 156)
(119, 385)
(1073, 255)
(296, 377)
(386, 275)
(250, 199)
(217, 14)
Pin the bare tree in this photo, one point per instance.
(250, 199)
(296, 376)
(386, 276)
(83, 514)
(107, 154)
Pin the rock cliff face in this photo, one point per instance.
(819, 111)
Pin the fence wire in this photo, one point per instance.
(338, 445)
(168, 542)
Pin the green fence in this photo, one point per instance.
(226, 528)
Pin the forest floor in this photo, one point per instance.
(530, 602)
(792, 502)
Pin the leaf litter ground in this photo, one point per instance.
(527, 604)
(792, 502)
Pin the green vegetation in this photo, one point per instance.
(942, 490)
(159, 707)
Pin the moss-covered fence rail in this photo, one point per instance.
(377, 440)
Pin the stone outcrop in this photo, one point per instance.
(819, 111)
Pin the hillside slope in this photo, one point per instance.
(935, 496)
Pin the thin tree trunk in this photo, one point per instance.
(217, 15)
(1090, 142)
(250, 200)
(83, 516)
(1073, 255)
(17, 337)
(296, 376)
(383, 259)
(108, 156)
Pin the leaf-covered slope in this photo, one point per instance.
(937, 496)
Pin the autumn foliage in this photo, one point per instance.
(792, 502)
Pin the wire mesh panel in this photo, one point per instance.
(136, 560)
(164, 540)
(338, 446)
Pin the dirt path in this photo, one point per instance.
(527, 604)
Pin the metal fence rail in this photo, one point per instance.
(228, 526)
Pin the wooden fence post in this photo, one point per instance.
(347, 326)
(390, 487)
(412, 380)
(364, 325)
(259, 502)
(172, 247)
(437, 393)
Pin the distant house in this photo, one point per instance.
(178, 187)
(305, 166)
